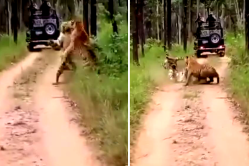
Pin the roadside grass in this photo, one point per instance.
(238, 80)
(103, 97)
(9, 51)
(145, 78)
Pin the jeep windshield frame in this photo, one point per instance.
(207, 26)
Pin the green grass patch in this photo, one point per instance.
(11, 52)
(150, 73)
(143, 79)
(103, 96)
(239, 70)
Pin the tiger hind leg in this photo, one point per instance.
(59, 72)
(71, 62)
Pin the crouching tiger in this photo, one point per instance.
(200, 71)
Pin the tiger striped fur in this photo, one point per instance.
(200, 71)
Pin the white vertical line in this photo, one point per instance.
(129, 82)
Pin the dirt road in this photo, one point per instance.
(35, 118)
(192, 126)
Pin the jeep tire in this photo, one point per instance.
(198, 54)
(30, 47)
(50, 29)
(215, 38)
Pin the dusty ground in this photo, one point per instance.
(36, 127)
(192, 126)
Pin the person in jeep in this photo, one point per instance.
(45, 8)
(199, 20)
(211, 20)
(33, 8)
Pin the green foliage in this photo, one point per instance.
(236, 49)
(9, 51)
(142, 80)
(113, 55)
(207, 3)
(103, 97)
(239, 65)
(120, 15)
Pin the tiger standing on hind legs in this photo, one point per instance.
(79, 45)
(200, 71)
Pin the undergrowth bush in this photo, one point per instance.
(11, 52)
(239, 66)
(103, 95)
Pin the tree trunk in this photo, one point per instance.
(189, 20)
(247, 24)
(15, 20)
(141, 24)
(71, 9)
(160, 20)
(85, 16)
(142, 28)
(236, 6)
(134, 32)
(233, 21)
(244, 8)
(222, 16)
(169, 23)
(9, 16)
(185, 31)
(20, 14)
(197, 6)
(93, 18)
(157, 19)
(165, 24)
(230, 23)
(112, 12)
(179, 24)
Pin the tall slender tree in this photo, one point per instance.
(134, 32)
(165, 24)
(247, 24)
(9, 16)
(111, 9)
(190, 14)
(93, 17)
(169, 23)
(197, 6)
(14, 20)
(85, 15)
(185, 30)
(141, 24)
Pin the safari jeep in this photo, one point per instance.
(42, 29)
(209, 38)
